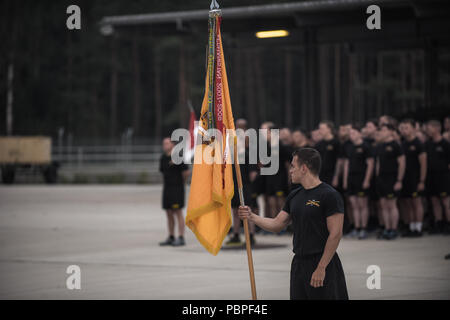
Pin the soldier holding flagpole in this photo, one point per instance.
(316, 211)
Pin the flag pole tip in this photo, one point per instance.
(214, 5)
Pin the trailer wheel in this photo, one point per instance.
(8, 174)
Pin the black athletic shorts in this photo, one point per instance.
(409, 185)
(334, 285)
(276, 185)
(249, 197)
(173, 197)
(373, 189)
(355, 185)
(259, 184)
(438, 184)
(253, 202)
(385, 186)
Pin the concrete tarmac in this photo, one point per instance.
(112, 232)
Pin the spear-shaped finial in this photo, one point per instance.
(214, 5)
(214, 9)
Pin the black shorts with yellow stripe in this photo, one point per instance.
(438, 184)
(277, 184)
(355, 185)
(173, 197)
(409, 185)
(385, 186)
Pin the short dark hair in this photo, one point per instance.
(269, 124)
(373, 121)
(299, 129)
(388, 126)
(409, 121)
(391, 120)
(329, 124)
(434, 123)
(309, 157)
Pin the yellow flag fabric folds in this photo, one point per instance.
(209, 205)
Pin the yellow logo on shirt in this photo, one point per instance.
(313, 203)
(330, 147)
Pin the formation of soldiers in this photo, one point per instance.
(394, 175)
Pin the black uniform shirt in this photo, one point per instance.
(346, 147)
(372, 145)
(387, 154)
(309, 209)
(438, 155)
(357, 156)
(172, 173)
(412, 150)
(370, 141)
(329, 151)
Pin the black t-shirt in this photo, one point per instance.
(357, 156)
(370, 141)
(309, 209)
(329, 152)
(372, 144)
(172, 173)
(387, 154)
(412, 150)
(346, 147)
(438, 155)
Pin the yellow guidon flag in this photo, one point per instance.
(212, 188)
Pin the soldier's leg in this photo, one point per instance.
(180, 220)
(170, 222)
